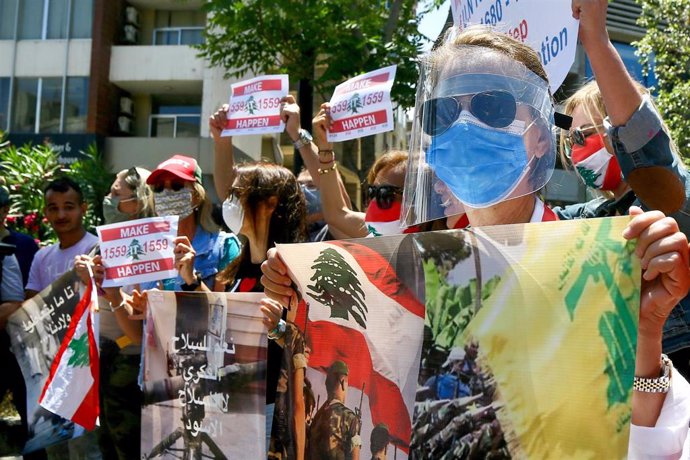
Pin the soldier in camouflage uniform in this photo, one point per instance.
(334, 432)
(378, 442)
(285, 439)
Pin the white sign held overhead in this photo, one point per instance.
(546, 25)
(255, 106)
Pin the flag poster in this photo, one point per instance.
(204, 376)
(36, 331)
(496, 342)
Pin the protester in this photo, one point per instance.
(120, 337)
(64, 208)
(26, 246)
(316, 225)
(618, 125)
(487, 136)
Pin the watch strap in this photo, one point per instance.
(303, 139)
(660, 384)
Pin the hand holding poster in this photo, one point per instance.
(547, 26)
(139, 250)
(362, 106)
(255, 106)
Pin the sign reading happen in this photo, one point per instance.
(362, 106)
(548, 27)
(139, 250)
(255, 106)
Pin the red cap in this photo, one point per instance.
(185, 168)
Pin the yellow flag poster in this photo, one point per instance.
(538, 362)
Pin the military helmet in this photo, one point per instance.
(380, 437)
(338, 367)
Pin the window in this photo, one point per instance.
(8, 10)
(82, 19)
(4, 102)
(31, 19)
(57, 18)
(179, 27)
(51, 101)
(175, 117)
(24, 105)
(42, 98)
(76, 103)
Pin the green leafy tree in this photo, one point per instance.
(80, 351)
(667, 45)
(135, 250)
(588, 176)
(336, 286)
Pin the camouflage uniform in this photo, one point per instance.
(333, 434)
(294, 358)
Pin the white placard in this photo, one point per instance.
(547, 26)
(255, 106)
(362, 106)
(138, 251)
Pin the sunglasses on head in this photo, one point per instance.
(175, 186)
(578, 136)
(494, 108)
(383, 194)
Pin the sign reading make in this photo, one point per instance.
(255, 106)
(362, 106)
(137, 251)
(547, 26)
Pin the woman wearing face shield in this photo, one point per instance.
(120, 337)
(485, 133)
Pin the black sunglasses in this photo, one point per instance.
(578, 136)
(176, 186)
(494, 108)
(383, 194)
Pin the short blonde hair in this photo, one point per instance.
(135, 179)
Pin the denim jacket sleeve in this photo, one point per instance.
(642, 143)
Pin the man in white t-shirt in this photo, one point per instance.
(64, 209)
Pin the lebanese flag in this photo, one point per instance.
(374, 323)
(381, 222)
(71, 390)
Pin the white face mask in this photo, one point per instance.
(233, 214)
(172, 203)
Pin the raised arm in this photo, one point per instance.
(223, 159)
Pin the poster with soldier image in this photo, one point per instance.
(36, 331)
(204, 376)
(456, 344)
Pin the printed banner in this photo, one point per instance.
(503, 342)
(204, 376)
(362, 106)
(547, 26)
(36, 331)
(138, 251)
(255, 106)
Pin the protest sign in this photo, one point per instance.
(362, 106)
(451, 342)
(547, 26)
(255, 106)
(204, 376)
(139, 250)
(36, 331)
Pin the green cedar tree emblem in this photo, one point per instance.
(372, 230)
(135, 250)
(80, 349)
(336, 286)
(354, 103)
(588, 176)
(251, 105)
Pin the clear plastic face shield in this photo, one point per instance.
(481, 134)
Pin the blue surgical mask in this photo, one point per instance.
(312, 196)
(479, 164)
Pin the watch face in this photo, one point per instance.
(305, 136)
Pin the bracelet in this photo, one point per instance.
(194, 285)
(658, 385)
(327, 170)
(277, 332)
(332, 156)
(327, 151)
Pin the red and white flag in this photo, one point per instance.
(71, 390)
(362, 312)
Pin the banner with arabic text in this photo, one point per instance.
(204, 376)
